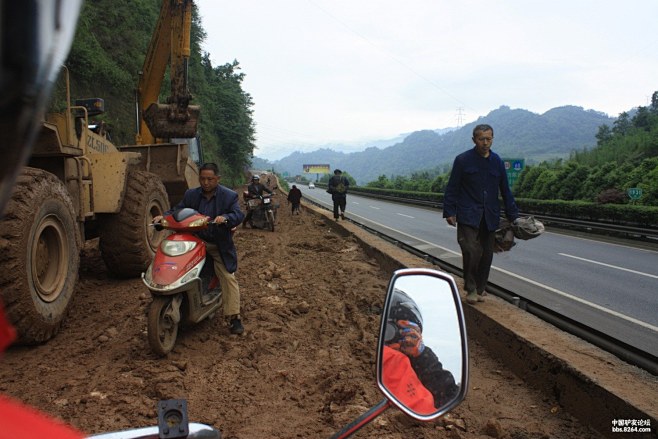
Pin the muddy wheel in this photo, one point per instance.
(270, 219)
(162, 326)
(39, 250)
(127, 242)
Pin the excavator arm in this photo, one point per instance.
(170, 44)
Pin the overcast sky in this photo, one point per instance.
(349, 71)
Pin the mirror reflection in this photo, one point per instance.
(422, 355)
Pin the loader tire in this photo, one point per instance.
(39, 255)
(127, 241)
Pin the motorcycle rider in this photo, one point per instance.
(254, 190)
(404, 330)
(221, 203)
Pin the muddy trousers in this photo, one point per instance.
(339, 204)
(227, 281)
(477, 254)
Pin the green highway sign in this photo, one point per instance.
(634, 193)
(513, 168)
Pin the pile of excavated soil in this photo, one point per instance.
(304, 367)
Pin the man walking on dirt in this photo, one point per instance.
(337, 187)
(471, 203)
(295, 198)
(221, 203)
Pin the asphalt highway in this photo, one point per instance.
(607, 286)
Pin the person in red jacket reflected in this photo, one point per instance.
(401, 380)
(410, 370)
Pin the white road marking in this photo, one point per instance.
(583, 301)
(609, 266)
(408, 216)
(373, 207)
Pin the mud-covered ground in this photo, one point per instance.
(303, 368)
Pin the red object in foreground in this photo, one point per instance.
(19, 420)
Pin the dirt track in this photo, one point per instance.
(304, 367)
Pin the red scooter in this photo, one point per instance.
(181, 279)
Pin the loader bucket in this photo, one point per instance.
(168, 121)
(172, 163)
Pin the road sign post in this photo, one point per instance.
(513, 168)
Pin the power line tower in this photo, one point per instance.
(460, 117)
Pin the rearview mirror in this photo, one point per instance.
(422, 358)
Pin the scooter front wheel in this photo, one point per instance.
(162, 326)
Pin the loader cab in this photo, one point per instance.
(93, 107)
(194, 146)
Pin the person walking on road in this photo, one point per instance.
(337, 187)
(471, 203)
(295, 198)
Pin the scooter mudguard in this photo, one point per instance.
(168, 269)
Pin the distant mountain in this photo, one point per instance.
(518, 133)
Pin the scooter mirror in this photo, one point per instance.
(422, 358)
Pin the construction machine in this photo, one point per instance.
(78, 185)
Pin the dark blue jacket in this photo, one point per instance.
(473, 189)
(227, 205)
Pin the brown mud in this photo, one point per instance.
(304, 367)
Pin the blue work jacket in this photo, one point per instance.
(473, 189)
(225, 204)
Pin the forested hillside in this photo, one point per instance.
(108, 53)
(626, 156)
(519, 134)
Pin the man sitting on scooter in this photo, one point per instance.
(221, 203)
(255, 190)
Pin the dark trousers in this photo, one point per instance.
(339, 203)
(295, 207)
(477, 254)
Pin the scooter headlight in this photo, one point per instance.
(176, 248)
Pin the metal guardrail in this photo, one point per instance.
(606, 342)
(644, 234)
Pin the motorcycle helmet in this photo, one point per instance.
(256, 177)
(402, 307)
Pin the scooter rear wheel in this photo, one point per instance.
(162, 328)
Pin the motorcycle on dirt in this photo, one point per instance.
(181, 279)
(424, 392)
(263, 208)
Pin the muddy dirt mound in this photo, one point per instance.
(304, 367)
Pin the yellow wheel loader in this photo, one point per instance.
(78, 185)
